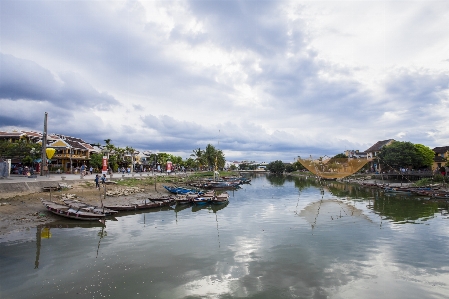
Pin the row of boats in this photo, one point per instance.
(75, 209)
(224, 183)
(429, 191)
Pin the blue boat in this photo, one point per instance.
(201, 201)
(181, 190)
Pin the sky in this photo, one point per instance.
(260, 80)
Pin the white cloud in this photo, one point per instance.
(276, 78)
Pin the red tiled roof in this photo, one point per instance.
(378, 145)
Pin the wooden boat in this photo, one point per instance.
(441, 195)
(76, 204)
(201, 201)
(183, 199)
(403, 190)
(180, 190)
(68, 212)
(220, 198)
(141, 206)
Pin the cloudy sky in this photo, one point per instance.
(261, 80)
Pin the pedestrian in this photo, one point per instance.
(103, 179)
(91, 170)
(97, 185)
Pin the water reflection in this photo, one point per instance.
(301, 239)
(43, 231)
(398, 208)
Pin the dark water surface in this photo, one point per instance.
(277, 238)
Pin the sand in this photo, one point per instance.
(20, 211)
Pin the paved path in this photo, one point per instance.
(76, 177)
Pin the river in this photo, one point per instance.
(278, 237)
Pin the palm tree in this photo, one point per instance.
(199, 157)
(210, 155)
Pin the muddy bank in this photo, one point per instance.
(23, 210)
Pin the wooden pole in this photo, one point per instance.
(44, 147)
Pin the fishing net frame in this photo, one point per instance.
(333, 168)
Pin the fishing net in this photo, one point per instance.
(333, 168)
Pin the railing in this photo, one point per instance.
(67, 156)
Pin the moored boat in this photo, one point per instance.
(69, 212)
(76, 204)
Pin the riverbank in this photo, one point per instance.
(20, 197)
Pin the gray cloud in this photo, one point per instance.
(244, 75)
(25, 80)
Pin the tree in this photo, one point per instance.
(209, 155)
(400, 154)
(289, 168)
(340, 156)
(276, 167)
(198, 156)
(298, 166)
(190, 163)
(96, 160)
(425, 155)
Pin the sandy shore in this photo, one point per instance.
(20, 211)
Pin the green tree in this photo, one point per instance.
(190, 163)
(298, 166)
(276, 167)
(425, 155)
(96, 160)
(289, 168)
(199, 157)
(340, 156)
(209, 155)
(400, 154)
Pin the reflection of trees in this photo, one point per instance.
(395, 207)
(302, 183)
(276, 180)
(403, 208)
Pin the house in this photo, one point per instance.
(69, 150)
(441, 155)
(355, 154)
(373, 151)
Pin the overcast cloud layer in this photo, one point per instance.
(261, 80)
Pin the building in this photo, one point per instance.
(69, 150)
(441, 155)
(355, 154)
(373, 151)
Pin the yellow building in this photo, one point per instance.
(441, 155)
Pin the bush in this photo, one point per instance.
(439, 177)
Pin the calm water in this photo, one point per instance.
(277, 238)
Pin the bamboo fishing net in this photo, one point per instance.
(333, 168)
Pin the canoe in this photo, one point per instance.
(68, 212)
(220, 198)
(76, 204)
(140, 206)
(201, 201)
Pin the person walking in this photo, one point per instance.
(103, 179)
(97, 185)
(91, 170)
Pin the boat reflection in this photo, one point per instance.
(43, 231)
